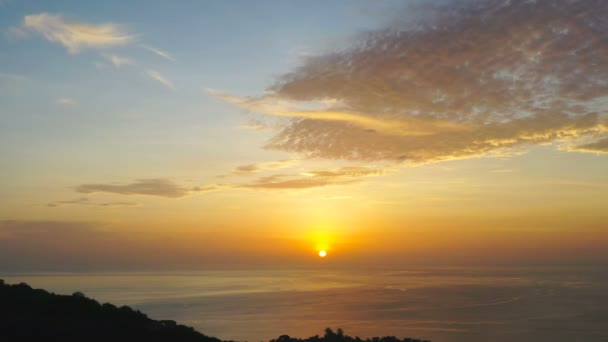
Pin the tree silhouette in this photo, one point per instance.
(339, 336)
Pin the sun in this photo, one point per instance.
(322, 254)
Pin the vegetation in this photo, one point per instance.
(338, 336)
(28, 314)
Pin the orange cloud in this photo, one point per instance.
(477, 80)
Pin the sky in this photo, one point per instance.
(215, 134)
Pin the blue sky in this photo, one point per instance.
(238, 47)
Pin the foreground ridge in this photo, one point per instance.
(28, 314)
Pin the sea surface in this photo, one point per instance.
(441, 304)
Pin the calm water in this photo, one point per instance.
(442, 304)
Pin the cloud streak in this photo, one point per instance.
(150, 187)
(315, 178)
(258, 167)
(466, 80)
(88, 202)
(155, 75)
(76, 36)
(325, 111)
(118, 61)
(600, 146)
(161, 187)
(159, 52)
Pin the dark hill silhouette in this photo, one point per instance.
(28, 314)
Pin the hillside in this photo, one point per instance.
(33, 314)
(28, 314)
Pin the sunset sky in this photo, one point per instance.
(197, 134)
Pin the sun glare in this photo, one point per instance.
(322, 254)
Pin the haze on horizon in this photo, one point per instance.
(155, 135)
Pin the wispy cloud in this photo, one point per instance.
(162, 187)
(479, 79)
(314, 178)
(88, 202)
(272, 165)
(151, 187)
(258, 126)
(327, 111)
(118, 61)
(76, 36)
(278, 182)
(160, 78)
(66, 101)
(159, 52)
(600, 146)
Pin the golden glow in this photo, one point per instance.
(321, 238)
(322, 254)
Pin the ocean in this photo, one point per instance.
(471, 304)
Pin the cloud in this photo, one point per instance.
(257, 167)
(600, 146)
(211, 188)
(279, 182)
(118, 61)
(315, 178)
(166, 188)
(159, 52)
(257, 126)
(306, 180)
(322, 112)
(464, 79)
(66, 101)
(86, 201)
(151, 187)
(76, 36)
(160, 78)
